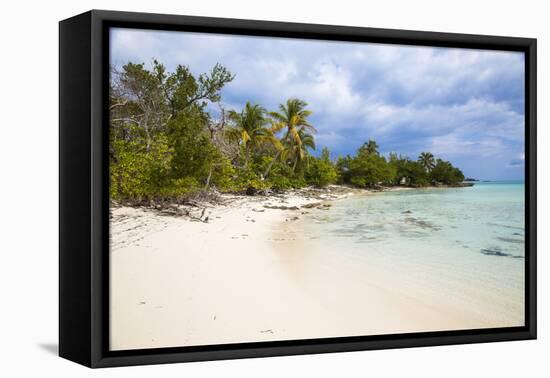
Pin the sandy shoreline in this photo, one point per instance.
(247, 275)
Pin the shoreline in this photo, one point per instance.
(212, 198)
(241, 272)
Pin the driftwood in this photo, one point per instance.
(179, 206)
(201, 218)
(177, 210)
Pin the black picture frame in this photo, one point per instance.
(84, 203)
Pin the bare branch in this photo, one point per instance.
(126, 119)
(117, 105)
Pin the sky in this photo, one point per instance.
(463, 105)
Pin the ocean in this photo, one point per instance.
(464, 246)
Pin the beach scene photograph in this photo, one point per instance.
(272, 189)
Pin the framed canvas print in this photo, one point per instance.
(234, 188)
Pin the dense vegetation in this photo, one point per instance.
(165, 143)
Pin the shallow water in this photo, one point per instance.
(464, 246)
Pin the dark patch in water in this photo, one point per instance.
(422, 223)
(364, 239)
(496, 251)
(493, 252)
(360, 227)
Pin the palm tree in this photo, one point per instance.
(370, 148)
(292, 116)
(249, 128)
(297, 153)
(427, 160)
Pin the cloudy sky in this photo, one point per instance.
(466, 106)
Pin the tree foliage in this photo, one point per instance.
(321, 171)
(249, 130)
(427, 161)
(369, 169)
(166, 142)
(298, 137)
(444, 172)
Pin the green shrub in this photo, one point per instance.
(246, 180)
(138, 174)
(223, 175)
(179, 188)
(320, 172)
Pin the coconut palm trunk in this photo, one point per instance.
(266, 173)
(246, 154)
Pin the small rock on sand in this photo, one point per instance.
(281, 207)
(311, 205)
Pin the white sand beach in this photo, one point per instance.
(247, 275)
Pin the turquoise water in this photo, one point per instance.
(465, 245)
